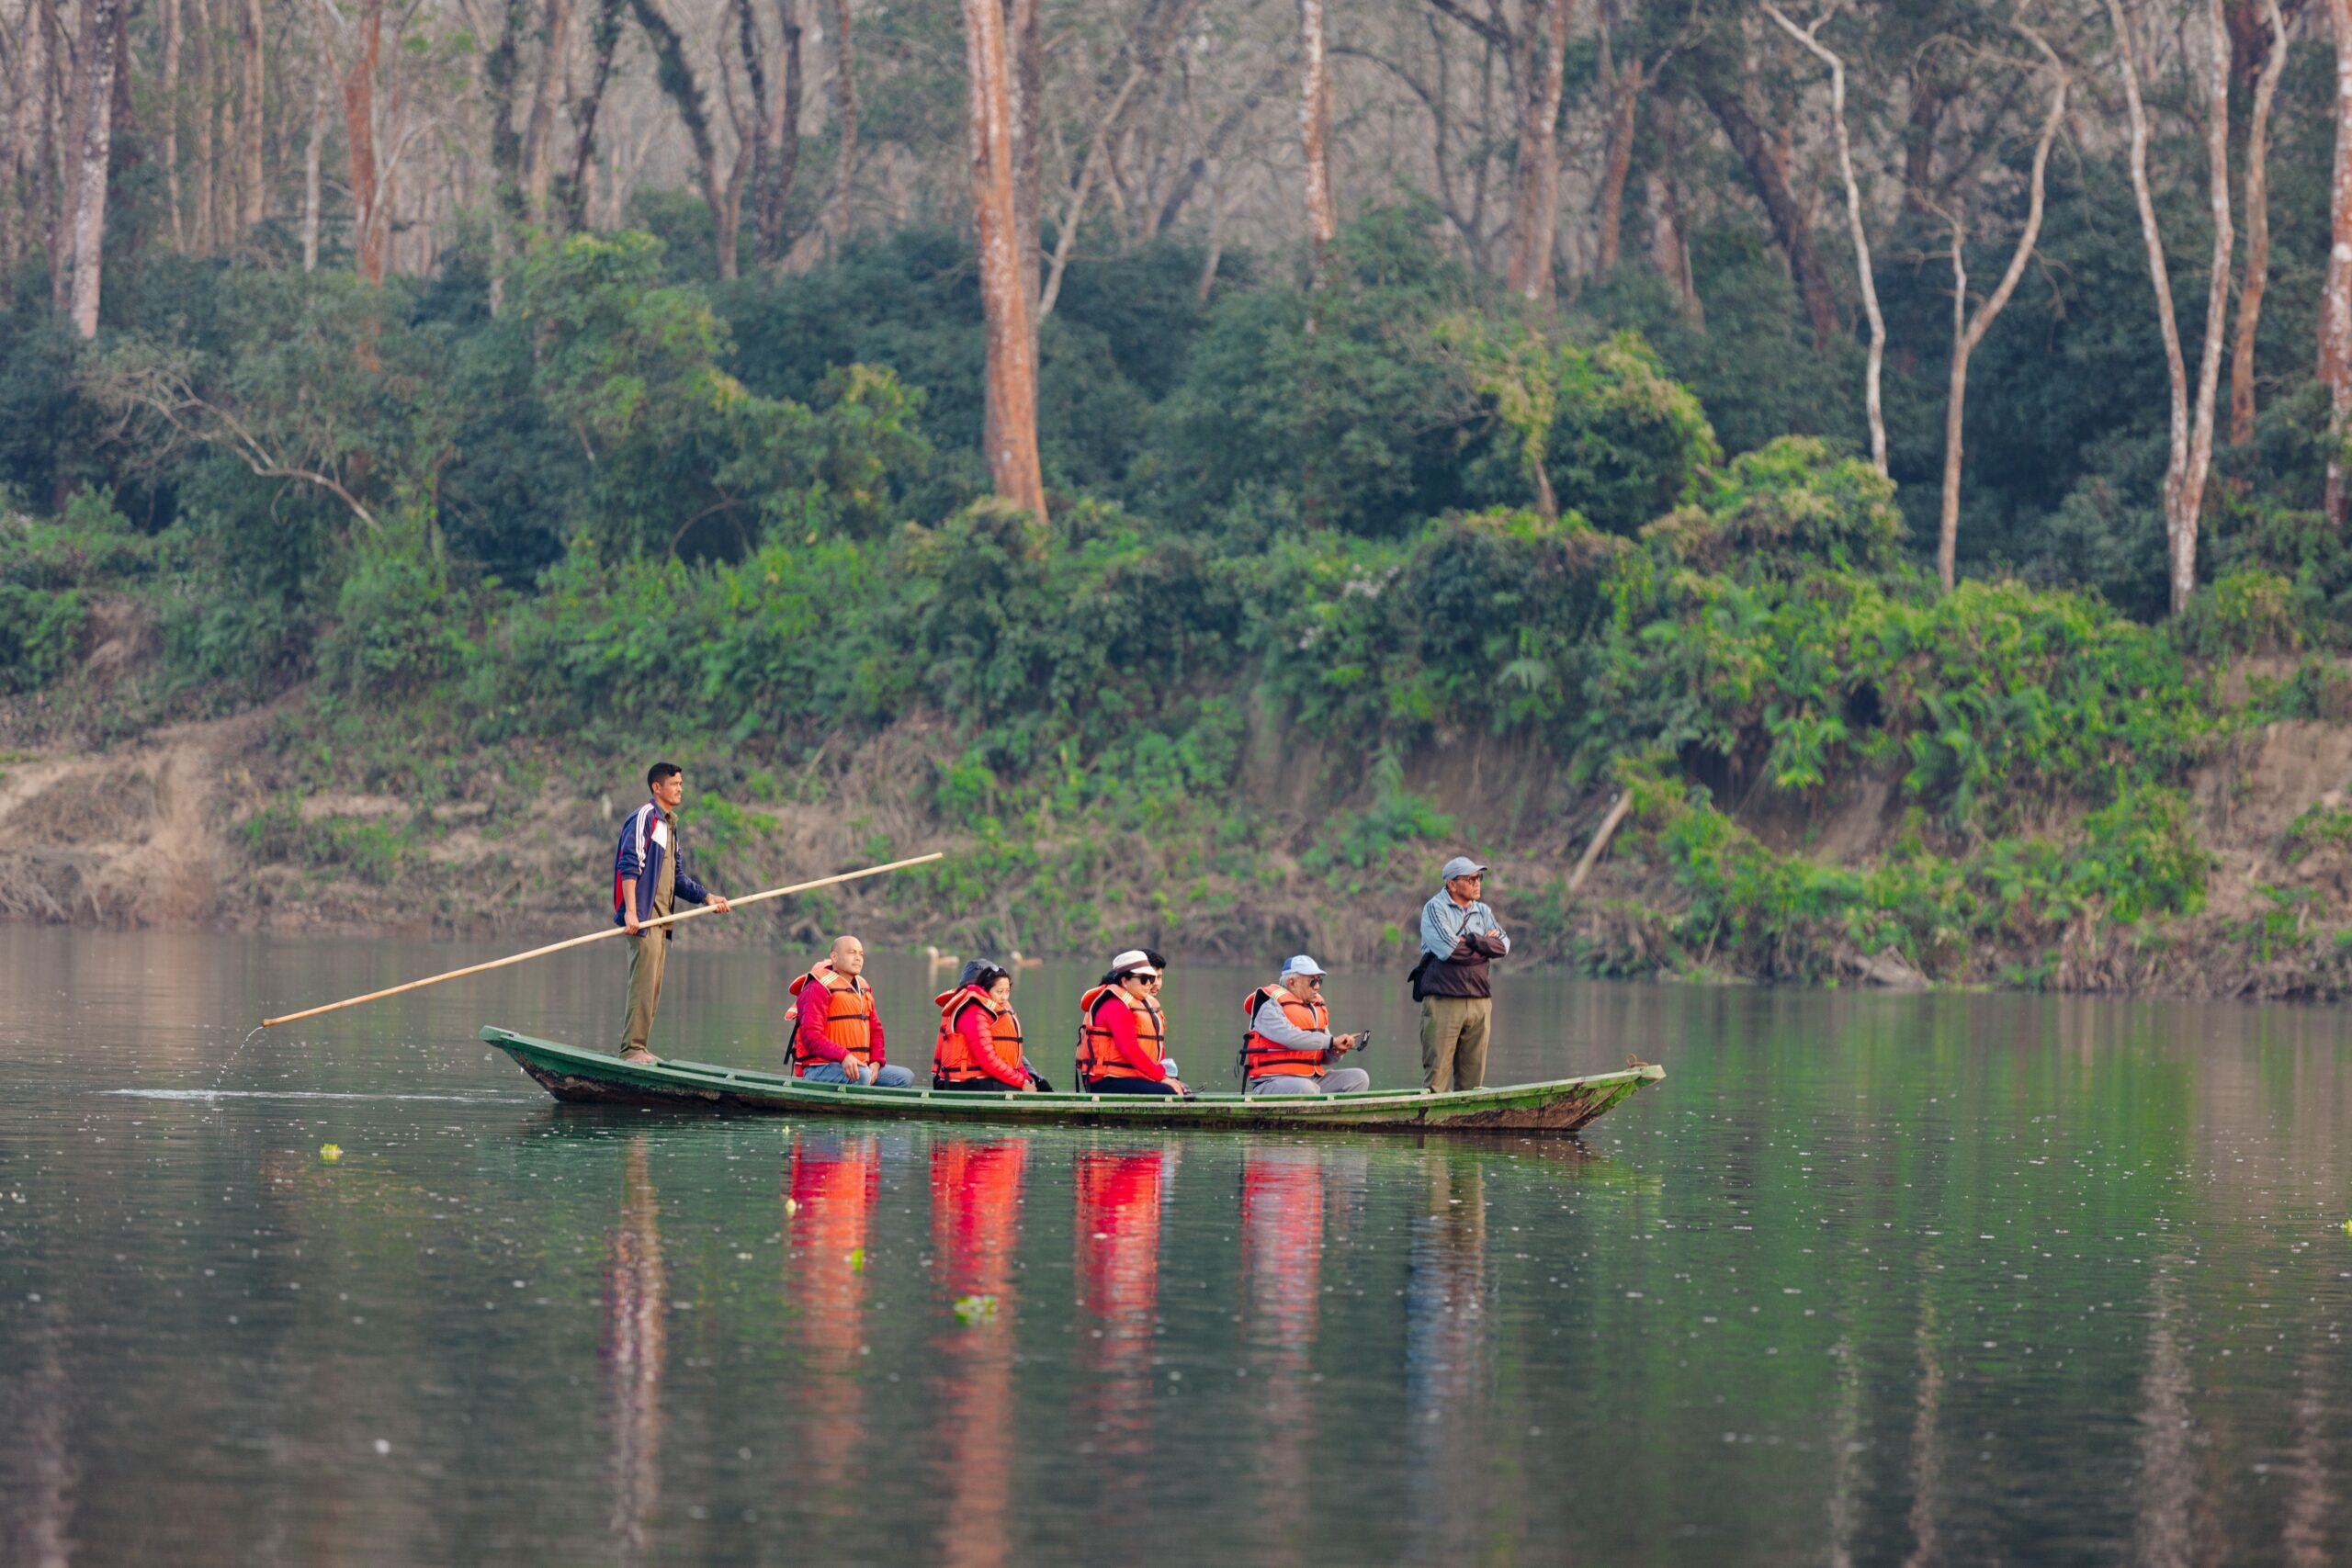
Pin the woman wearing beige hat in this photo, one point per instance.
(1123, 1032)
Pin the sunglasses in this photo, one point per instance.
(1145, 976)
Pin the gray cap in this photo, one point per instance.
(1302, 965)
(1461, 865)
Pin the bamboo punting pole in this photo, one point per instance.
(599, 936)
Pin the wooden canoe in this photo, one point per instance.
(592, 1076)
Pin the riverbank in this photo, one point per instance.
(276, 819)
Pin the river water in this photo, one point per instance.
(1955, 1279)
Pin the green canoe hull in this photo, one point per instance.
(593, 1077)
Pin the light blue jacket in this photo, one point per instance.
(1444, 923)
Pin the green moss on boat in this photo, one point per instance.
(592, 1076)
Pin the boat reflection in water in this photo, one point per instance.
(975, 1228)
(1447, 1347)
(1281, 1265)
(637, 1301)
(1119, 1197)
(831, 1188)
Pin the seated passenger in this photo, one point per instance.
(980, 1034)
(837, 1037)
(1122, 1034)
(1290, 1045)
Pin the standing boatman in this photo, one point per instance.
(1459, 935)
(647, 882)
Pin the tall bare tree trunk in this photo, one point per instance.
(780, 139)
(1927, 101)
(1012, 419)
(65, 234)
(2257, 230)
(1873, 406)
(200, 154)
(1535, 176)
(753, 148)
(224, 131)
(21, 66)
(49, 47)
(1024, 45)
(2191, 437)
(1216, 252)
(684, 92)
(102, 35)
(2336, 305)
(1149, 51)
(1967, 331)
(169, 91)
(1314, 128)
(1624, 104)
(1669, 249)
(845, 122)
(1726, 99)
(252, 184)
(312, 195)
(359, 130)
(538, 137)
(604, 39)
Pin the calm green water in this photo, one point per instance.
(1870, 1280)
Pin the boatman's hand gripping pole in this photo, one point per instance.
(599, 936)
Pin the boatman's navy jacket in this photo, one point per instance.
(646, 843)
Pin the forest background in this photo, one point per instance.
(1201, 461)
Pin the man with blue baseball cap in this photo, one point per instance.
(1290, 1047)
(1459, 935)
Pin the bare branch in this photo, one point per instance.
(1871, 401)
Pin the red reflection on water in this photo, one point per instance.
(636, 1299)
(975, 1228)
(830, 1185)
(1118, 1290)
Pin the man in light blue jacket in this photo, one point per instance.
(1459, 935)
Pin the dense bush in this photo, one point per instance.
(37, 633)
(1394, 509)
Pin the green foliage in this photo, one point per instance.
(2140, 856)
(1627, 442)
(1346, 399)
(2320, 826)
(1787, 507)
(1480, 620)
(394, 633)
(1616, 439)
(2251, 610)
(90, 546)
(1992, 699)
(38, 633)
(1396, 820)
(1789, 918)
(371, 851)
(747, 522)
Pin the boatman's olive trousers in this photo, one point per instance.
(1453, 1041)
(648, 951)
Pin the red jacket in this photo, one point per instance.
(1119, 1020)
(809, 1025)
(972, 1023)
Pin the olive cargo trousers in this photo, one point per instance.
(1453, 1041)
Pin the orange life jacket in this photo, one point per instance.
(1262, 1058)
(951, 1059)
(1099, 1055)
(849, 1016)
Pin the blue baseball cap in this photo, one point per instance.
(1301, 965)
(1462, 865)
